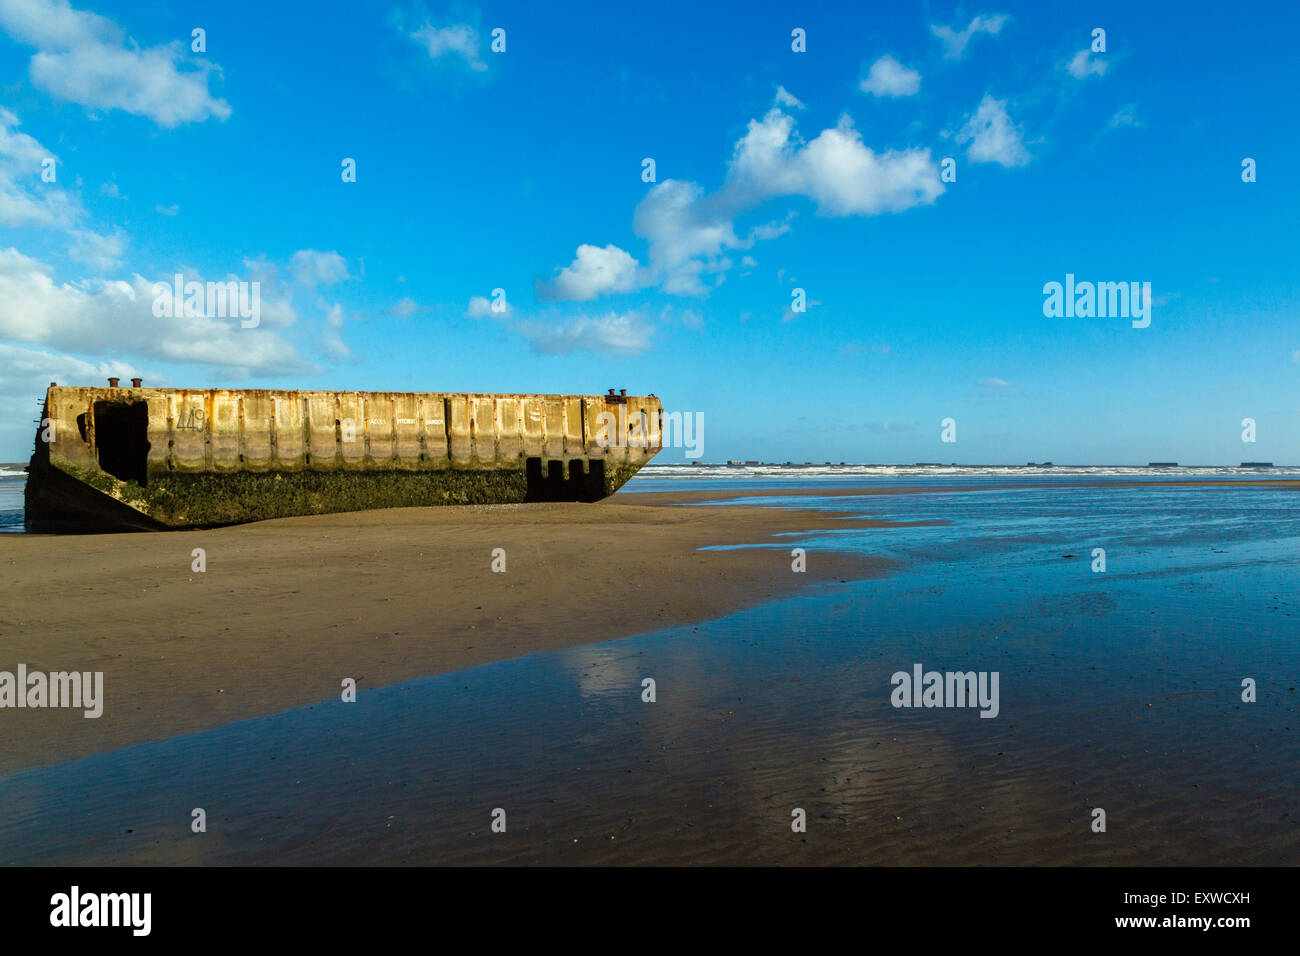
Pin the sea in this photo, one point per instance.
(1145, 638)
(12, 481)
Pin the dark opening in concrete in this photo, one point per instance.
(595, 479)
(533, 471)
(555, 490)
(122, 439)
(579, 485)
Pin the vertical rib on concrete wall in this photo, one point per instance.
(533, 426)
(459, 431)
(484, 429)
(573, 429)
(225, 432)
(287, 436)
(255, 425)
(510, 435)
(350, 413)
(187, 431)
(553, 434)
(406, 430)
(322, 435)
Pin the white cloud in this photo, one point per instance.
(836, 170)
(1125, 116)
(20, 365)
(18, 147)
(993, 137)
(787, 99)
(104, 253)
(318, 268)
(458, 40)
(689, 232)
(111, 190)
(1295, 356)
(480, 307)
(24, 375)
(116, 317)
(788, 314)
(685, 234)
(995, 383)
(278, 310)
(1084, 64)
(25, 199)
(85, 58)
(770, 230)
(689, 318)
(888, 77)
(171, 210)
(404, 308)
(955, 41)
(332, 342)
(594, 271)
(611, 334)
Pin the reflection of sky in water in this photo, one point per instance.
(1138, 527)
(1119, 689)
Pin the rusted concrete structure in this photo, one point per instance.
(153, 458)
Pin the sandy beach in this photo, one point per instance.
(289, 608)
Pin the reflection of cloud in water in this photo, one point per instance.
(604, 670)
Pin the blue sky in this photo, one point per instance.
(775, 170)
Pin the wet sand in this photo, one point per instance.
(1120, 691)
(289, 608)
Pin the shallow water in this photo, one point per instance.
(1119, 690)
(864, 476)
(11, 500)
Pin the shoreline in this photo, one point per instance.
(288, 608)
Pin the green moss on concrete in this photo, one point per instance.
(99, 480)
(214, 498)
(211, 498)
(128, 492)
(199, 499)
(617, 476)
